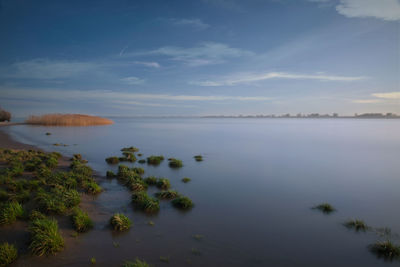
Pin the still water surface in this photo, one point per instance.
(252, 192)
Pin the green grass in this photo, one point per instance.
(170, 194)
(92, 188)
(357, 225)
(9, 212)
(130, 149)
(93, 260)
(48, 133)
(112, 160)
(186, 180)
(58, 200)
(198, 158)
(151, 180)
(136, 263)
(144, 202)
(120, 222)
(325, 208)
(386, 250)
(163, 183)
(136, 185)
(8, 254)
(36, 215)
(198, 237)
(154, 160)
(175, 163)
(110, 174)
(164, 259)
(142, 161)
(182, 202)
(81, 221)
(45, 237)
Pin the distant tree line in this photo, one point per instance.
(4, 115)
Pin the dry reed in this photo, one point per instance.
(67, 120)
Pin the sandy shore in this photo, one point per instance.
(7, 142)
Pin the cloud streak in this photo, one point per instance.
(148, 64)
(132, 80)
(251, 78)
(204, 54)
(196, 23)
(381, 9)
(391, 95)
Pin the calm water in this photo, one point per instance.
(252, 192)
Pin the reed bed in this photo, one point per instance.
(67, 120)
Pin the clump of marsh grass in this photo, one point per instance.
(151, 180)
(175, 163)
(48, 133)
(120, 222)
(198, 237)
(164, 259)
(182, 202)
(45, 237)
(163, 183)
(128, 156)
(130, 149)
(110, 174)
(67, 120)
(136, 263)
(36, 215)
(112, 160)
(170, 194)
(92, 188)
(136, 185)
(325, 208)
(186, 180)
(154, 160)
(357, 225)
(81, 220)
(198, 158)
(9, 212)
(8, 254)
(144, 202)
(142, 161)
(93, 260)
(386, 250)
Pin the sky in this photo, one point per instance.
(199, 57)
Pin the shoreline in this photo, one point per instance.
(17, 232)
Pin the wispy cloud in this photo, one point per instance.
(45, 69)
(112, 96)
(132, 80)
(204, 54)
(367, 101)
(391, 95)
(251, 77)
(195, 23)
(148, 64)
(380, 9)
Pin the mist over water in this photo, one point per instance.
(253, 192)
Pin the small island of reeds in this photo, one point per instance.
(67, 120)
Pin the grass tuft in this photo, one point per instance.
(163, 183)
(81, 220)
(120, 222)
(136, 263)
(170, 194)
(386, 250)
(155, 160)
(198, 158)
(186, 180)
(175, 163)
(357, 225)
(325, 208)
(112, 160)
(183, 203)
(9, 212)
(8, 254)
(45, 237)
(144, 202)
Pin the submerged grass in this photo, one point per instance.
(183, 203)
(170, 194)
(120, 222)
(81, 221)
(8, 254)
(144, 202)
(357, 225)
(112, 160)
(386, 250)
(136, 263)
(155, 160)
(186, 180)
(175, 163)
(198, 158)
(45, 237)
(163, 183)
(9, 212)
(325, 208)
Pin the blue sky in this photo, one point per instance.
(200, 57)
